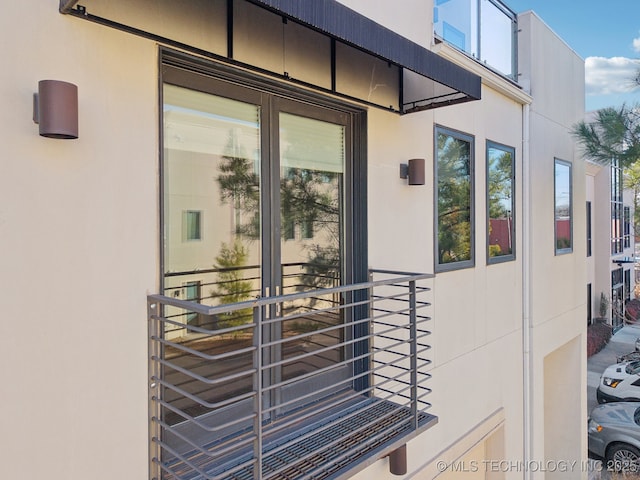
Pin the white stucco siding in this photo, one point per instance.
(79, 230)
(79, 227)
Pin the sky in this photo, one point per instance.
(606, 34)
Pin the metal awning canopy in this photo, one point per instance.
(428, 80)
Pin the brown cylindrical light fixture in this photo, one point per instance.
(55, 109)
(398, 461)
(416, 171)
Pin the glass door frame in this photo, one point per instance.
(220, 80)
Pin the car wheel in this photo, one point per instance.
(622, 457)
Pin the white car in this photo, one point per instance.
(620, 382)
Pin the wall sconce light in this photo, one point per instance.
(55, 109)
(413, 171)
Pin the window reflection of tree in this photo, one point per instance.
(309, 199)
(454, 199)
(500, 194)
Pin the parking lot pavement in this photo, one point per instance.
(622, 342)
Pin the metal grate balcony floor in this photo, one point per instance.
(366, 431)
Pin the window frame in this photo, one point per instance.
(189, 216)
(512, 229)
(470, 139)
(617, 207)
(562, 251)
(589, 229)
(208, 77)
(626, 226)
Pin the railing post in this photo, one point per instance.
(413, 329)
(257, 387)
(155, 351)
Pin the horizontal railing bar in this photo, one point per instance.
(404, 354)
(190, 419)
(230, 269)
(202, 402)
(326, 349)
(357, 394)
(193, 328)
(396, 340)
(339, 326)
(337, 308)
(198, 353)
(212, 310)
(327, 369)
(402, 273)
(202, 379)
(180, 457)
(218, 453)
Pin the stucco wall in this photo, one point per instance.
(80, 230)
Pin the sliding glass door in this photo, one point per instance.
(256, 202)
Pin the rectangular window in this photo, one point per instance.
(192, 293)
(454, 204)
(627, 285)
(500, 202)
(563, 207)
(617, 298)
(588, 229)
(589, 304)
(191, 225)
(627, 227)
(617, 235)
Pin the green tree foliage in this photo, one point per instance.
(231, 287)
(500, 187)
(613, 134)
(239, 186)
(632, 182)
(454, 200)
(309, 199)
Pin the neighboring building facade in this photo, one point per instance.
(610, 244)
(238, 165)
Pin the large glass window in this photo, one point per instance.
(617, 233)
(627, 227)
(484, 29)
(563, 207)
(589, 247)
(500, 202)
(454, 204)
(265, 183)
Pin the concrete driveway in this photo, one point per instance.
(622, 342)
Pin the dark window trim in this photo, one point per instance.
(172, 63)
(589, 228)
(589, 304)
(446, 267)
(562, 251)
(512, 256)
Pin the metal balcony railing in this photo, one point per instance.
(311, 385)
